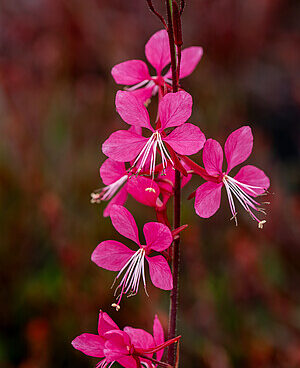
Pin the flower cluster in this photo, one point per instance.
(128, 347)
(141, 161)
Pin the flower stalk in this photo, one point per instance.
(175, 250)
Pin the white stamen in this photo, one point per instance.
(106, 193)
(151, 148)
(237, 189)
(134, 269)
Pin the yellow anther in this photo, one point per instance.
(150, 190)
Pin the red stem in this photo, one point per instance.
(177, 205)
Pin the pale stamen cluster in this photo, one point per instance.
(144, 84)
(234, 188)
(134, 269)
(150, 147)
(107, 192)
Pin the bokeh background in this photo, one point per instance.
(239, 290)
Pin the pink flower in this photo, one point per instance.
(135, 73)
(118, 183)
(129, 347)
(174, 110)
(247, 184)
(115, 256)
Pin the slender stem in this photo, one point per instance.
(177, 204)
(160, 17)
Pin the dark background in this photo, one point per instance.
(239, 295)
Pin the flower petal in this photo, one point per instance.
(175, 109)
(213, 157)
(131, 110)
(158, 236)
(119, 198)
(130, 72)
(252, 175)
(111, 255)
(190, 57)
(143, 94)
(127, 362)
(186, 139)
(160, 272)
(158, 334)
(124, 223)
(105, 323)
(238, 146)
(116, 345)
(123, 145)
(140, 338)
(143, 190)
(89, 344)
(157, 50)
(208, 198)
(111, 171)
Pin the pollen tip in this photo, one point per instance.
(261, 224)
(114, 305)
(150, 190)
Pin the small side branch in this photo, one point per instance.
(161, 18)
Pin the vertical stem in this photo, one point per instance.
(177, 204)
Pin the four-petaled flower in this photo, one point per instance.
(129, 347)
(174, 110)
(119, 182)
(115, 256)
(135, 73)
(247, 184)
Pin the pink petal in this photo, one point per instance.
(143, 94)
(208, 198)
(105, 323)
(143, 190)
(123, 145)
(131, 110)
(175, 109)
(160, 272)
(124, 223)
(213, 157)
(111, 171)
(120, 198)
(136, 129)
(190, 57)
(252, 175)
(127, 362)
(89, 344)
(140, 338)
(158, 236)
(111, 255)
(116, 345)
(158, 334)
(186, 139)
(238, 146)
(157, 50)
(130, 72)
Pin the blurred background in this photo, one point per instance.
(239, 290)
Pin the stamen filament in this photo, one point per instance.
(236, 188)
(133, 268)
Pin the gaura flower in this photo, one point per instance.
(129, 347)
(135, 73)
(247, 184)
(119, 183)
(115, 256)
(174, 110)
